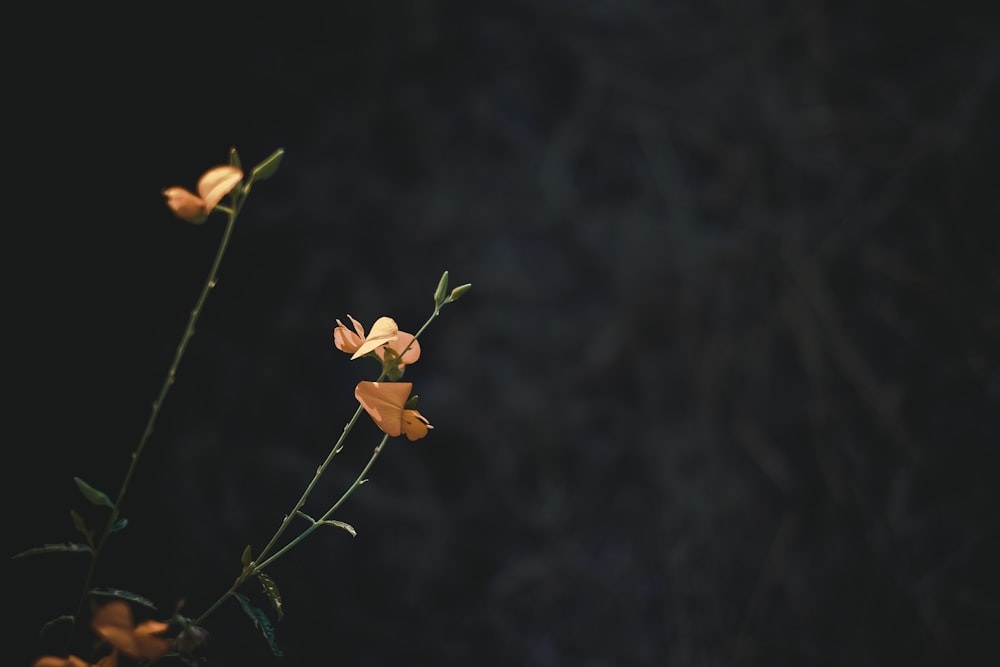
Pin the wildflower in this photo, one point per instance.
(114, 623)
(387, 404)
(214, 184)
(110, 660)
(384, 333)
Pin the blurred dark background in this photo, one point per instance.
(724, 392)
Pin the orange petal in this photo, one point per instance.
(110, 660)
(114, 615)
(415, 425)
(148, 646)
(384, 401)
(403, 339)
(54, 661)
(383, 331)
(347, 340)
(114, 623)
(217, 182)
(185, 205)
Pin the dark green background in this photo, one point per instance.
(725, 390)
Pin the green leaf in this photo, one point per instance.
(340, 524)
(55, 621)
(268, 167)
(271, 591)
(124, 595)
(96, 497)
(120, 524)
(79, 524)
(234, 158)
(66, 547)
(261, 621)
(246, 558)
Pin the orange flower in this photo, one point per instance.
(385, 402)
(384, 333)
(114, 623)
(214, 184)
(110, 660)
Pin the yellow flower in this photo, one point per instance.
(384, 333)
(114, 623)
(214, 184)
(385, 402)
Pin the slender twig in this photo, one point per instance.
(263, 558)
(258, 567)
(168, 382)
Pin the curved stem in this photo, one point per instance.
(258, 567)
(326, 515)
(263, 559)
(154, 413)
(329, 458)
(315, 480)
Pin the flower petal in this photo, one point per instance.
(186, 205)
(148, 646)
(415, 425)
(402, 340)
(347, 340)
(217, 182)
(110, 660)
(114, 623)
(55, 661)
(384, 401)
(383, 331)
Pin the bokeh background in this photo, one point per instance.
(725, 390)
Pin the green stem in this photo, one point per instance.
(168, 382)
(359, 480)
(259, 567)
(315, 480)
(263, 559)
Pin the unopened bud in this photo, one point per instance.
(442, 288)
(457, 292)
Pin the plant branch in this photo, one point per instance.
(168, 382)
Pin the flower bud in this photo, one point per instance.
(457, 292)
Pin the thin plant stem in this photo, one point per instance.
(263, 558)
(168, 382)
(329, 458)
(258, 567)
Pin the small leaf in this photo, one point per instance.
(66, 547)
(246, 558)
(124, 595)
(268, 167)
(340, 524)
(120, 524)
(55, 621)
(234, 158)
(96, 497)
(271, 591)
(261, 621)
(79, 524)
